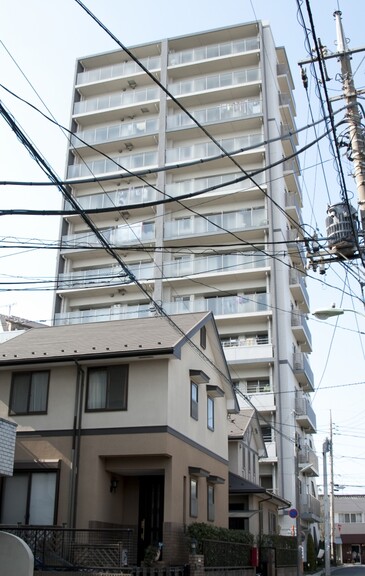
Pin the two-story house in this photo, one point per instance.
(120, 424)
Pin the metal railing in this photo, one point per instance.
(56, 548)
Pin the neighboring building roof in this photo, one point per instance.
(11, 323)
(131, 337)
(240, 423)
(239, 485)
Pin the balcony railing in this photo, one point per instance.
(247, 353)
(222, 306)
(213, 51)
(299, 324)
(186, 266)
(308, 457)
(101, 276)
(116, 312)
(305, 413)
(118, 164)
(116, 100)
(297, 279)
(138, 232)
(206, 149)
(117, 70)
(221, 113)
(115, 132)
(116, 198)
(310, 508)
(216, 223)
(215, 81)
(303, 371)
(177, 189)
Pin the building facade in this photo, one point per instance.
(193, 183)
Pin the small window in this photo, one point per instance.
(107, 388)
(203, 337)
(210, 413)
(29, 393)
(266, 433)
(210, 502)
(194, 406)
(193, 498)
(258, 385)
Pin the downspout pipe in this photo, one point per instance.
(75, 449)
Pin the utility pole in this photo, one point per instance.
(331, 495)
(356, 132)
(327, 545)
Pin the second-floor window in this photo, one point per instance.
(353, 518)
(107, 388)
(210, 413)
(194, 400)
(258, 385)
(29, 393)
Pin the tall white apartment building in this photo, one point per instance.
(177, 204)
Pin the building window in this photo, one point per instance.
(193, 498)
(210, 502)
(258, 385)
(107, 388)
(210, 413)
(354, 518)
(203, 337)
(29, 393)
(194, 406)
(29, 498)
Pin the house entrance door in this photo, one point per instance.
(151, 501)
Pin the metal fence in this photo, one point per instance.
(83, 550)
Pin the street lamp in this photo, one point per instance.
(325, 313)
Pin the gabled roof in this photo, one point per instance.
(133, 337)
(239, 424)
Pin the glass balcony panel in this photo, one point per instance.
(214, 81)
(115, 70)
(213, 51)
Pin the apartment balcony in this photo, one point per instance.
(119, 236)
(213, 52)
(305, 415)
(222, 306)
(215, 82)
(271, 452)
(287, 106)
(289, 140)
(228, 112)
(298, 288)
(308, 461)
(296, 248)
(300, 330)
(115, 105)
(303, 371)
(104, 135)
(119, 199)
(116, 312)
(248, 353)
(220, 184)
(117, 165)
(243, 262)
(233, 146)
(108, 276)
(293, 207)
(216, 224)
(118, 70)
(310, 508)
(291, 176)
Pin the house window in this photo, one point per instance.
(210, 413)
(210, 502)
(29, 498)
(194, 401)
(107, 388)
(193, 498)
(203, 337)
(258, 385)
(29, 393)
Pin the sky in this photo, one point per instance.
(39, 43)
